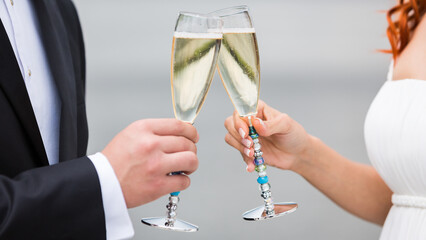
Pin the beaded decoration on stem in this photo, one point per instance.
(261, 170)
(269, 209)
(171, 210)
(170, 222)
(172, 206)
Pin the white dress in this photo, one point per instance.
(395, 136)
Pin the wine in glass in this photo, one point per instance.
(195, 50)
(239, 70)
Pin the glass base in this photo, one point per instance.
(280, 209)
(179, 225)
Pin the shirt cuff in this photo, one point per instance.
(117, 220)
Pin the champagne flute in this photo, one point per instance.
(239, 70)
(195, 50)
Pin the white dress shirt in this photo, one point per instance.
(21, 25)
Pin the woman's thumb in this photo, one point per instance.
(278, 125)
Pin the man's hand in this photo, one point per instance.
(144, 153)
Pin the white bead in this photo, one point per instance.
(257, 146)
(269, 206)
(172, 214)
(266, 194)
(265, 187)
(174, 199)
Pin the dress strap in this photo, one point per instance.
(409, 201)
(390, 71)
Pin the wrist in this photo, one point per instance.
(306, 158)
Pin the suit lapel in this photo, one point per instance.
(13, 86)
(56, 44)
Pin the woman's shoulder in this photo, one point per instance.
(411, 64)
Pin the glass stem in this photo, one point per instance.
(263, 180)
(172, 205)
(171, 209)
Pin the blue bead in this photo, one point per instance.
(252, 130)
(259, 161)
(174, 193)
(254, 136)
(262, 180)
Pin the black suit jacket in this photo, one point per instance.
(38, 201)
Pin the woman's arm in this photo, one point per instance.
(355, 187)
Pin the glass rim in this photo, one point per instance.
(199, 15)
(230, 11)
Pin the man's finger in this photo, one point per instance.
(164, 127)
(176, 183)
(186, 162)
(173, 144)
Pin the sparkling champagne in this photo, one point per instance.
(194, 61)
(239, 69)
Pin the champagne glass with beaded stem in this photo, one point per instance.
(195, 50)
(239, 70)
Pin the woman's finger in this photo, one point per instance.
(240, 125)
(229, 125)
(246, 152)
(271, 121)
(249, 160)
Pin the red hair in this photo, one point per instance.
(408, 15)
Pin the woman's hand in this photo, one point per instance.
(286, 145)
(284, 141)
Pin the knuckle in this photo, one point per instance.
(178, 126)
(191, 156)
(186, 181)
(151, 170)
(155, 164)
(191, 147)
(283, 117)
(228, 122)
(186, 145)
(228, 138)
(193, 160)
(148, 146)
(285, 121)
(141, 125)
(157, 183)
(246, 159)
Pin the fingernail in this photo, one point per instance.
(247, 152)
(246, 142)
(247, 168)
(242, 133)
(261, 122)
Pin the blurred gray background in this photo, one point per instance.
(318, 64)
